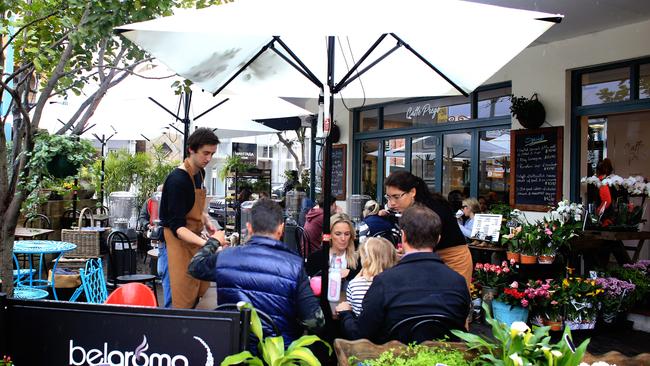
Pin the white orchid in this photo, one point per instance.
(516, 360)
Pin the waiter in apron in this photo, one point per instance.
(183, 218)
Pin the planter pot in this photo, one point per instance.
(533, 115)
(363, 349)
(610, 317)
(528, 259)
(513, 256)
(509, 314)
(546, 259)
(577, 324)
(556, 325)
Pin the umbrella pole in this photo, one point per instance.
(186, 121)
(103, 140)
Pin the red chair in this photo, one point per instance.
(133, 294)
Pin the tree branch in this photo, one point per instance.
(27, 25)
(288, 144)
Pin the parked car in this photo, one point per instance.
(217, 209)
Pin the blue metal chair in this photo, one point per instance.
(93, 284)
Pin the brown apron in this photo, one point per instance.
(186, 289)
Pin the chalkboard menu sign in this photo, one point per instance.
(536, 168)
(339, 171)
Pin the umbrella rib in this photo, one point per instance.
(297, 59)
(342, 84)
(165, 108)
(408, 47)
(211, 108)
(258, 54)
(361, 60)
(303, 72)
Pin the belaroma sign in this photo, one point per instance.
(60, 333)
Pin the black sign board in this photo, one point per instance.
(536, 168)
(339, 171)
(247, 152)
(60, 333)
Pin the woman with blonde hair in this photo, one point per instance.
(375, 225)
(341, 249)
(377, 255)
(469, 208)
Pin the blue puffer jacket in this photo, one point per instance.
(267, 274)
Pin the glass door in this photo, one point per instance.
(424, 157)
(456, 157)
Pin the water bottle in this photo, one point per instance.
(334, 287)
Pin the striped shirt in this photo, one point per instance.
(355, 293)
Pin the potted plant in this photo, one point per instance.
(492, 278)
(272, 349)
(511, 242)
(517, 344)
(528, 111)
(546, 299)
(583, 296)
(617, 295)
(511, 305)
(414, 355)
(530, 242)
(59, 156)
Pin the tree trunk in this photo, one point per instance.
(9, 221)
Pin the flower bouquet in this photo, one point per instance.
(583, 297)
(492, 275)
(616, 297)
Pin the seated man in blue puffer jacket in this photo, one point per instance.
(265, 273)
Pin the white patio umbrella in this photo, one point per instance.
(382, 48)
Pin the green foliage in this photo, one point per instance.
(417, 355)
(517, 345)
(640, 280)
(143, 170)
(272, 348)
(234, 164)
(46, 148)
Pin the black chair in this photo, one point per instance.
(390, 235)
(123, 261)
(301, 242)
(38, 221)
(422, 328)
(264, 318)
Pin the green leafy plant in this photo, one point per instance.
(416, 355)
(518, 345)
(6, 361)
(639, 278)
(272, 348)
(234, 164)
(529, 111)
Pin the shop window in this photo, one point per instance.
(494, 102)
(423, 159)
(606, 86)
(494, 168)
(369, 167)
(456, 156)
(394, 157)
(427, 112)
(644, 81)
(369, 120)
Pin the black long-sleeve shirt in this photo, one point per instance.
(178, 198)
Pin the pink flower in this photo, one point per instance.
(504, 264)
(514, 284)
(506, 270)
(512, 262)
(479, 266)
(548, 231)
(524, 302)
(554, 302)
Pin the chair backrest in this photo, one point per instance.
(93, 283)
(301, 243)
(39, 221)
(122, 254)
(422, 328)
(264, 318)
(390, 235)
(133, 293)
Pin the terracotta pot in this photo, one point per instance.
(556, 325)
(528, 259)
(545, 259)
(513, 256)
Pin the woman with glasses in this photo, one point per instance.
(403, 189)
(469, 208)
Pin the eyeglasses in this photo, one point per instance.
(464, 206)
(394, 197)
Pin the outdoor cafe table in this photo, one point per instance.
(40, 248)
(31, 233)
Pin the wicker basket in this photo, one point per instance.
(88, 241)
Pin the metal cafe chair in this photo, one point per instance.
(422, 328)
(123, 261)
(93, 284)
(133, 294)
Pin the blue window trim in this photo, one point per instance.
(578, 111)
(473, 126)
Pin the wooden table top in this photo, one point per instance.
(22, 232)
(615, 235)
